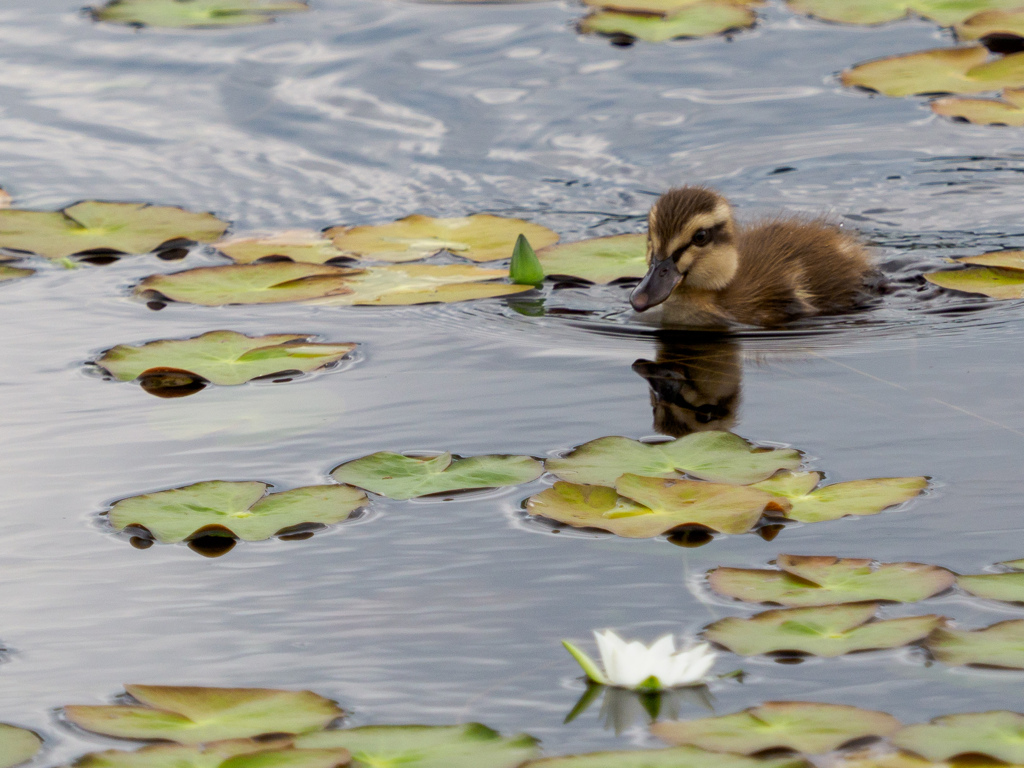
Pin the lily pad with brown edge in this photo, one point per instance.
(8, 272)
(94, 225)
(940, 70)
(195, 715)
(830, 630)
(673, 757)
(17, 745)
(999, 645)
(945, 12)
(223, 357)
(194, 13)
(998, 734)
(703, 19)
(240, 509)
(480, 237)
(1000, 29)
(1008, 110)
(405, 477)
(236, 753)
(403, 284)
(599, 260)
(655, 7)
(720, 457)
(1008, 587)
(423, 746)
(808, 581)
(298, 245)
(988, 281)
(1002, 259)
(857, 497)
(808, 727)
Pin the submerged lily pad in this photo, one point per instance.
(808, 581)
(599, 260)
(298, 245)
(241, 509)
(945, 12)
(406, 477)
(807, 727)
(194, 13)
(1008, 587)
(1009, 110)
(1000, 645)
(92, 225)
(702, 19)
(988, 281)
(857, 497)
(422, 746)
(480, 237)
(194, 715)
(1002, 259)
(940, 70)
(831, 630)
(13, 273)
(995, 734)
(996, 28)
(237, 753)
(673, 757)
(720, 457)
(17, 745)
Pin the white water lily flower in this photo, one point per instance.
(635, 666)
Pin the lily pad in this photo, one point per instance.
(13, 273)
(298, 245)
(406, 477)
(808, 727)
(831, 630)
(480, 237)
(1008, 587)
(17, 745)
(1002, 259)
(995, 28)
(240, 509)
(945, 12)
(643, 507)
(673, 757)
(194, 715)
(1009, 110)
(92, 225)
(421, 746)
(237, 753)
(996, 734)
(809, 581)
(720, 457)
(599, 260)
(940, 70)
(858, 497)
(661, 8)
(1017, 565)
(194, 13)
(1000, 645)
(988, 281)
(422, 284)
(223, 357)
(702, 19)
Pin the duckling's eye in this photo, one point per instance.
(701, 237)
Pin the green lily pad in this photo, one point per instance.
(406, 477)
(940, 70)
(673, 757)
(720, 457)
(1001, 22)
(1009, 110)
(92, 225)
(13, 273)
(808, 727)
(402, 284)
(237, 753)
(644, 507)
(480, 237)
(988, 281)
(831, 630)
(1002, 259)
(599, 260)
(193, 715)
(223, 357)
(1017, 565)
(1000, 645)
(421, 746)
(809, 581)
(858, 497)
(1008, 587)
(241, 509)
(702, 19)
(659, 7)
(297, 245)
(17, 745)
(194, 13)
(870, 758)
(945, 12)
(996, 734)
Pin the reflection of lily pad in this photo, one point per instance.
(999, 23)
(720, 457)
(194, 13)
(17, 745)
(988, 281)
(405, 477)
(237, 753)
(945, 12)
(13, 273)
(223, 357)
(807, 727)
(1009, 110)
(995, 734)
(1008, 587)
(830, 630)
(1001, 259)
(421, 746)
(940, 70)
(241, 509)
(644, 507)
(599, 260)
(481, 237)
(807, 581)
(193, 715)
(673, 757)
(702, 19)
(88, 226)
(858, 497)
(1000, 645)
(300, 245)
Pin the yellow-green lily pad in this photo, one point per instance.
(673, 757)
(658, 7)
(857, 497)
(195, 715)
(945, 12)
(940, 70)
(830, 630)
(1008, 110)
(809, 727)
(402, 284)
(999, 645)
(599, 260)
(422, 746)
(994, 25)
(988, 281)
(1017, 565)
(405, 477)
(17, 745)
(240, 509)
(1008, 587)
(703, 19)
(236, 753)
(480, 237)
(194, 13)
(13, 273)
(93, 225)
(1002, 259)
(298, 245)
(995, 734)
(808, 580)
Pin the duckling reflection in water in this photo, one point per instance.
(708, 271)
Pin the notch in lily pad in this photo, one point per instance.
(702, 19)
(234, 753)
(809, 504)
(194, 13)
(999, 645)
(525, 269)
(939, 70)
(17, 745)
(994, 734)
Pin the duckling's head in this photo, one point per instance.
(691, 241)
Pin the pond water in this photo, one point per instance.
(437, 610)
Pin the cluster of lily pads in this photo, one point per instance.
(194, 13)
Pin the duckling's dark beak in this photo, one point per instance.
(657, 285)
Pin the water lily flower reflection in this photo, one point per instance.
(635, 666)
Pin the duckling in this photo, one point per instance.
(710, 272)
